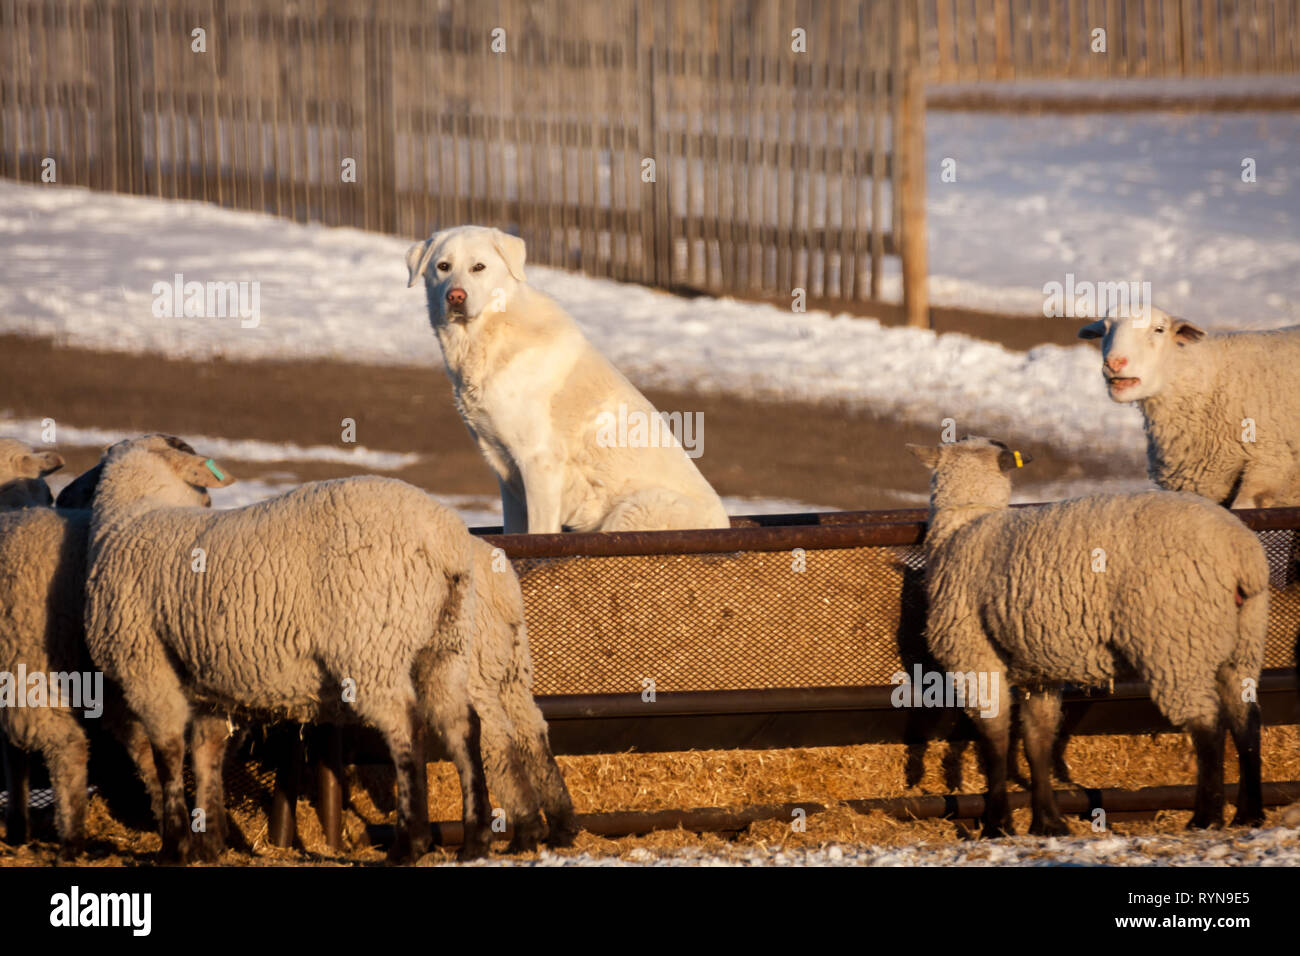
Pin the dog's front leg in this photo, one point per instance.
(543, 486)
(514, 512)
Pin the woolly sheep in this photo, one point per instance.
(340, 601)
(42, 586)
(22, 474)
(1182, 596)
(1222, 412)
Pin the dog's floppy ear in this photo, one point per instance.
(417, 260)
(513, 250)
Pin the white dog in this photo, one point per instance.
(548, 411)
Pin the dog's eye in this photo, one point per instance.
(478, 267)
(1160, 328)
(444, 266)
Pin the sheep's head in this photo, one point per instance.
(1135, 352)
(467, 271)
(971, 472)
(163, 468)
(22, 474)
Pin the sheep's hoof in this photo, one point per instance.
(173, 855)
(1252, 820)
(472, 850)
(207, 848)
(70, 850)
(993, 831)
(562, 833)
(1205, 821)
(15, 831)
(1049, 828)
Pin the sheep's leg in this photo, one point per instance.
(208, 736)
(129, 732)
(136, 743)
(994, 725)
(1040, 714)
(66, 759)
(458, 728)
(1208, 737)
(169, 758)
(539, 763)
(405, 746)
(1244, 721)
(505, 770)
(18, 782)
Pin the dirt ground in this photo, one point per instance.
(829, 456)
(730, 779)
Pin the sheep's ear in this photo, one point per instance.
(1093, 330)
(193, 470)
(1186, 333)
(928, 455)
(417, 260)
(1009, 460)
(513, 250)
(41, 463)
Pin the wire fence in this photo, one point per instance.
(726, 147)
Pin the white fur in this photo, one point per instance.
(530, 388)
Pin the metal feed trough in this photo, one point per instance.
(783, 631)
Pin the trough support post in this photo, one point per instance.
(329, 789)
(283, 823)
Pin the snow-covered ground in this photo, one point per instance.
(1152, 197)
(1278, 846)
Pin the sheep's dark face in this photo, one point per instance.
(1136, 352)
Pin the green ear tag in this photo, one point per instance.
(212, 467)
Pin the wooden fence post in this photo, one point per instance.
(380, 174)
(909, 154)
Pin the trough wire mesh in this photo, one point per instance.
(749, 620)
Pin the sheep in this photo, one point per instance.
(1222, 413)
(42, 582)
(22, 474)
(340, 601)
(1168, 582)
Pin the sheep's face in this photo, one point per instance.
(165, 470)
(22, 475)
(1135, 352)
(971, 472)
(468, 272)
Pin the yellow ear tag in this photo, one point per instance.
(1019, 463)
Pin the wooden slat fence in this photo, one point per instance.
(773, 169)
(969, 40)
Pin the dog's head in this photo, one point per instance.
(468, 271)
